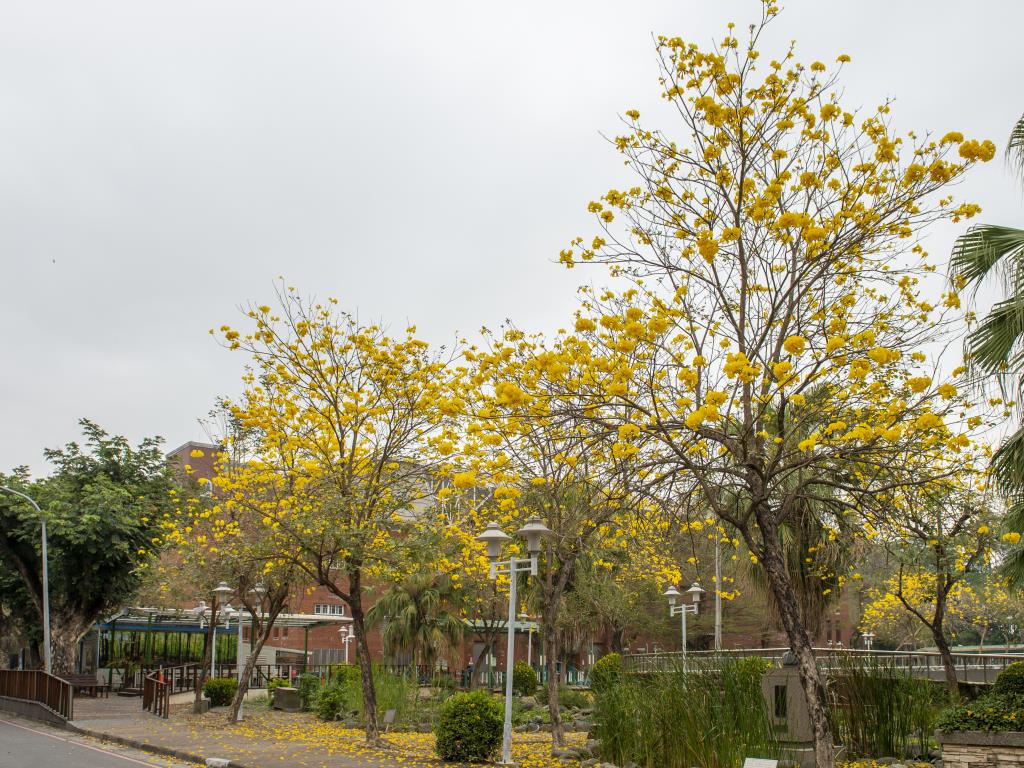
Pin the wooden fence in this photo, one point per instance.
(37, 686)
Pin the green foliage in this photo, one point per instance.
(309, 687)
(524, 679)
(992, 712)
(330, 701)
(710, 714)
(605, 672)
(103, 504)
(469, 727)
(879, 709)
(345, 674)
(418, 618)
(570, 698)
(220, 690)
(1011, 679)
(277, 682)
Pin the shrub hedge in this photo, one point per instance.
(524, 679)
(220, 690)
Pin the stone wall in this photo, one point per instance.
(982, 749)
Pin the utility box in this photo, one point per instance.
(287, 699)
(787, 712)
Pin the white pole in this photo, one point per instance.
(684, 612)
(238, 660)
(506, 739)
(529, 646)
(213, 650)
(718, 589)
(46, 579)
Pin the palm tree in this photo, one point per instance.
(995, 349)
(416, 619)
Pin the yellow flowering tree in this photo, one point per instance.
(340, 414)
(769, 248)
(539, 456)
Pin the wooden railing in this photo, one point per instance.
(52, 692)
(159, 684)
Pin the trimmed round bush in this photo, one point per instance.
(220, 690)
(469, 728)
(1011, 679)
(605, 672)
(524, 679)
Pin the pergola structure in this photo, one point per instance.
(150, 628)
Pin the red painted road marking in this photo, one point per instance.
(78, 743)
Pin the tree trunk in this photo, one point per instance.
(551, 662)
(363, 657)
(799, 641)
(64, 638)
(938, 635)
(250, 665)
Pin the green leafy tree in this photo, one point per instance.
(103, 505)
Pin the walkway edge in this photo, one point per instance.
(155, 749)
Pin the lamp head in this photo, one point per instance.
(671, 593)
(695, 592)
(533, 532)
(494, 538)
(222, 590)
(258, 591)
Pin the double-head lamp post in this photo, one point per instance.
(347, 636)
(220, 602)
(695, 593)
(495, 539)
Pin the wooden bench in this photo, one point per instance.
(89, 683)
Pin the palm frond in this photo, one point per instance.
(987, 247)
(1015, 147)
(994, 347)
(1008, 469)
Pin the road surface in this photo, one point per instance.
(27, 743)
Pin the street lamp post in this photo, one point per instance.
(347, 637)
(867, 637)
(46, 578)
(674, 610)
(220, 594)
(495, 539)
(525, 617)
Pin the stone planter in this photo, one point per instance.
(981, 749)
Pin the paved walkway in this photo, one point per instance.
(27, 742)
(270, 739)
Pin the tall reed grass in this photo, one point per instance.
(709, 714)
(879, 710)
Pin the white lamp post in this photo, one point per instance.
(46, 577)
(672, 594)
(495, 539)
(525, 617)
(868, 637)
(347, 636)
(220, 598)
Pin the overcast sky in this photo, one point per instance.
(162, 162)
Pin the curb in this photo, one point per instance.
(156, 749)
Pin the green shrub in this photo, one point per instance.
(276, 682)
(524, 679)
(330, 701)
(991, 712)
(220, 690)
(345, 674)
(1011, 679)
(605, 673)
(309, 687)
(568, 697)
(469, 727)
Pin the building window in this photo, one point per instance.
(327, 609)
